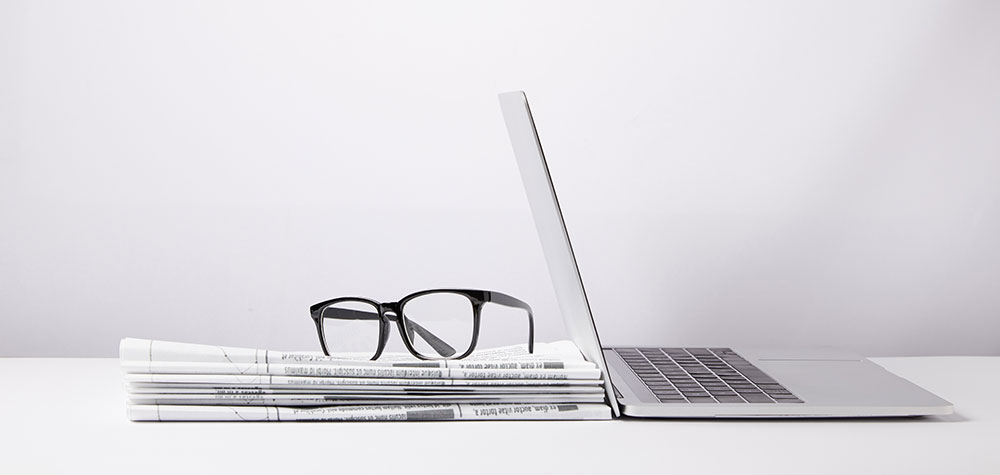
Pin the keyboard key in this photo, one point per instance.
(669, 396)
(695, 393)
(756, 398)
(663, 390)
(673, 400)
(700, 399)
(729, 399)
(723, 392)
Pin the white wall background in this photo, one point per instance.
(732, 172)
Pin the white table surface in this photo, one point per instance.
(62, 415)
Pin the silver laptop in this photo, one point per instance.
(701, 382)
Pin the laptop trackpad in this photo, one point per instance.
(798, 354)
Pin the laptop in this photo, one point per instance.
(678, 382)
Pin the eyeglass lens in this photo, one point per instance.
(351, 327)
(447, 316)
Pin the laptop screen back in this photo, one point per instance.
(552, 232)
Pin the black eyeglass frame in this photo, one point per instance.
(393, 311)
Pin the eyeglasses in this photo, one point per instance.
(435, 324)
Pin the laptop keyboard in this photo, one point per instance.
(703, 375)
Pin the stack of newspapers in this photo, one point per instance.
(169, 381)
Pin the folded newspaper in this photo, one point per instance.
(169, 381)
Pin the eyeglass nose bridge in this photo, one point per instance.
(390, 307)
(393, 311)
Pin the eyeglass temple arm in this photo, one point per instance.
(511, 301)
(438, 344)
